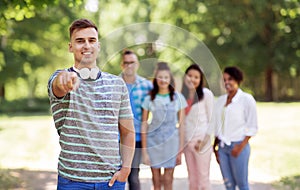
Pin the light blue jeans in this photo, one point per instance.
(66, 184)
(234, 169)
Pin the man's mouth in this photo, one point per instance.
(87, 53)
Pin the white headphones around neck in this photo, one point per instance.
(86, 73)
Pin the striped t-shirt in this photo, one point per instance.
(87, 123)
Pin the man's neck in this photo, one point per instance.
(129, 79)
(80, 66)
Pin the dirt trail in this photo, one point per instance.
(46, 180)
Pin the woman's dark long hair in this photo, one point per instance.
(162, 66)
(199, 90)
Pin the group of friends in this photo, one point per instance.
(108, 125)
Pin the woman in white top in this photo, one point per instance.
(198, 147)
(235, 121)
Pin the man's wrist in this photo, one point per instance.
(125, 169)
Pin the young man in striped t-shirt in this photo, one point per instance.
(92, 115)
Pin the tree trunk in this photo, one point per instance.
(269, 84)
(2, 92)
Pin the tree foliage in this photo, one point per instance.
(33, 41)
(259, 36)
(262, 37)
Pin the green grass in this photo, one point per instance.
(275, 146)
(275, 149)
(27, 141)
(30, 142)
(288, 183)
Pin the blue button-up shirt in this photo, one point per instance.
(137, 92)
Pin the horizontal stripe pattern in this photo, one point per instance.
(87, 122)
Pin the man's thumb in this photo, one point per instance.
(112, 181)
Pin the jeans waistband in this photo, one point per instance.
(223, 144)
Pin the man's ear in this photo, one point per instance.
(99, 46)
(70, 47)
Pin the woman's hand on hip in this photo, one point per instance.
(237, 149)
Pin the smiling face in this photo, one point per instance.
(231, 85)
(163, 78)
(192, 79)
(129, 64)
(85, 47)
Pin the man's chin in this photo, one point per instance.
(87, 61)
(129, 73)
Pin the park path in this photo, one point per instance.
(40, 174)
(46, 180)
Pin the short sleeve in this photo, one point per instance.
(51, 95)
(146, 103)
(148, 85)
(125, 108)
(181, 102)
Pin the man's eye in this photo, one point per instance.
(128, 62)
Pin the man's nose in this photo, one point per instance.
(87, 44)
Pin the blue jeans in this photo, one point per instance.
(66, 184)
(234, 169)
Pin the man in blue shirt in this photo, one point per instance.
(138, 88)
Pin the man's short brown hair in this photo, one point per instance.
(81, 24)
(127, 52)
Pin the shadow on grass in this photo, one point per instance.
(16, 179)
(27, 179)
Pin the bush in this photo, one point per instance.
(288, 183)
(25, 105)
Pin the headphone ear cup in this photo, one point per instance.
(94, 73)
(84, 73)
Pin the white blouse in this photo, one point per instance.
(197, 119)
(237, 120)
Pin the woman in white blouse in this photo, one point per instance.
(235, 121)
(198, 147)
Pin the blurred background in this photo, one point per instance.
(262, 37)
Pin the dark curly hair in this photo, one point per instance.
(235, 73)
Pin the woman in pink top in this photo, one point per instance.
(198, 147)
